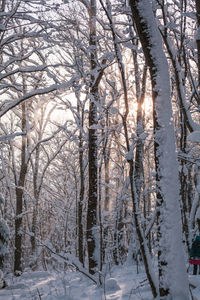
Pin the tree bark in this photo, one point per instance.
(82, 188)
(19, 200)
(92, 151)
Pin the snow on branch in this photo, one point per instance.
(24, 70)
(37, 92)
(86, 4)
(10, 136)
(194, 137)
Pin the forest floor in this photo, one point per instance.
(122, 283)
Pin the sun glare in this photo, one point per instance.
(147, 105)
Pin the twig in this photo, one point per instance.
(40, 297)
(191, 286)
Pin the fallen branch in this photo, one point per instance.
(78, 268)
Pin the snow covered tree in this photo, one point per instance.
(96, 186)
(92, 233)
(173, 282)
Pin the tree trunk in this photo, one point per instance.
(92, 153)
(80, 202)
(36, 199)
(173, 282)
(82, 183)
(198, 44)
(19, 200)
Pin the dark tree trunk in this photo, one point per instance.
(36, 199)
(81, 195)
(19, 200)
(107, 178)
(184, 181)
(92, 152)
(92, 196)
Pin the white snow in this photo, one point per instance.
(120, 283)
(197, 34)
(2, 27)
(112, 285)
(194, 137)
(198, 213)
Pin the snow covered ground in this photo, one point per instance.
(122, 283)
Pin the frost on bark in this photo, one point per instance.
(173, 282)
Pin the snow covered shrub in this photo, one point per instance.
(112, 285)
